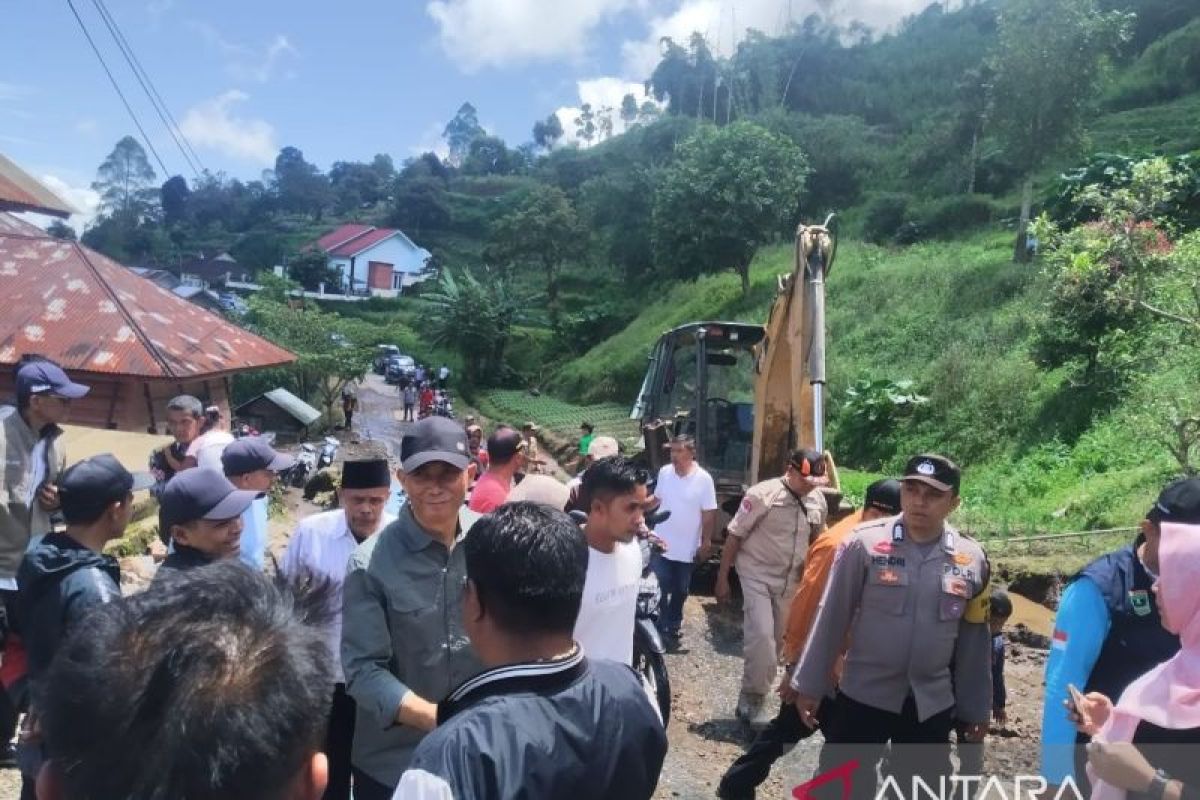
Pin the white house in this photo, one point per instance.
(381, 262)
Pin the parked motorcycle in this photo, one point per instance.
(306, 465)
(328, 452)
(649, 652)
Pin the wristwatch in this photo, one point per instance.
(1158, 785)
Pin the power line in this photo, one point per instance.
(139, 72)
(117, 87)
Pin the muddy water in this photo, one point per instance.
(1034, 616)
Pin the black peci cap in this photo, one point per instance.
(370, 473)
(88, 487)
(937, 471)
(884, 495)
(200, 493)
(1178, 502)
(434, 439)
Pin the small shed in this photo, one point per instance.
(280, 412)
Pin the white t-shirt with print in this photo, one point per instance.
(685, 497)
(605, 624)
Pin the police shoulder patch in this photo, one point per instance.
(979, 607)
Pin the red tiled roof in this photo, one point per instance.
(89, 313)
(360, 243)
(20, 192)
(342, 235)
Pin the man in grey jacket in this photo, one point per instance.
(911, 595)
(404, 648)
(33, 459)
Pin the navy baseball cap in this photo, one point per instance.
(435, 439)
(45, 377)
(252, 453)
(884, 495)
(1178, 502)
(199, 493)
(88, 487)
(937, 471)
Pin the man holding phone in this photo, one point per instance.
(1107, 631)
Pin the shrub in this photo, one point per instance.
(955, 214)
(884, 215)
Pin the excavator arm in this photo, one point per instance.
(789, 387)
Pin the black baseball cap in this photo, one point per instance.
(809, 463)
(88, 487)
(252, 453)
(434, 439)
(937, 471)
(45, 377)
(200, 493)
(1178, 502)
(884, 495)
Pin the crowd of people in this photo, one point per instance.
(479, 643)
(425, 392)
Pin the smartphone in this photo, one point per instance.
(1076, 701)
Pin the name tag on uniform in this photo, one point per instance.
(955, 586)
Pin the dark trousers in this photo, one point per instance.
(855, 731)
(349, 415)
(367, 788)
(752, 768)
(674, 580)
(408, 412)
(339, 740)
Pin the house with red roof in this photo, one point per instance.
(381, 262)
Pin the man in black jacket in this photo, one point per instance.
(542, 720)
(67, 574)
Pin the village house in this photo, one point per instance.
(135, 343)
(380, 262)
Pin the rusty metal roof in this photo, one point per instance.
(89, 313)
(20, 192)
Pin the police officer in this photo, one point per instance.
(1107, 630)
(768, 537)
(911, 593)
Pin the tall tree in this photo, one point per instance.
(731, 190)
(585, 123)
(302, 188)
(1048, 65)
(174, 197)
(488, 155)
(61, 230)
(604, 123)
(474, 317)
(629, 110)
(461, 131)
(547, 132)
(543, 230)
(125, 182)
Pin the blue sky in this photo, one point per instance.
(341, 80)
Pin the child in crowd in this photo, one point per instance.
(970, 754)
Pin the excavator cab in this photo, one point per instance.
(700, 382)
(747, 393)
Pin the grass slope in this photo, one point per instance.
(957, 318)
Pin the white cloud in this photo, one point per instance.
(724, 23)
(84, 199)
(212, 124)
(431, 141)
(245, 63)
(496, 33)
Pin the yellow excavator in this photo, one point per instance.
(748, 393)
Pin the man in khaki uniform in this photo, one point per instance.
(911, 593)
(767, 540)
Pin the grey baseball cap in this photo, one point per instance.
(252, 453)
(199, 493)
(434, 439)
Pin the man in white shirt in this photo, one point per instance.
(687, 491)
(321, 547)
(614, 494)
